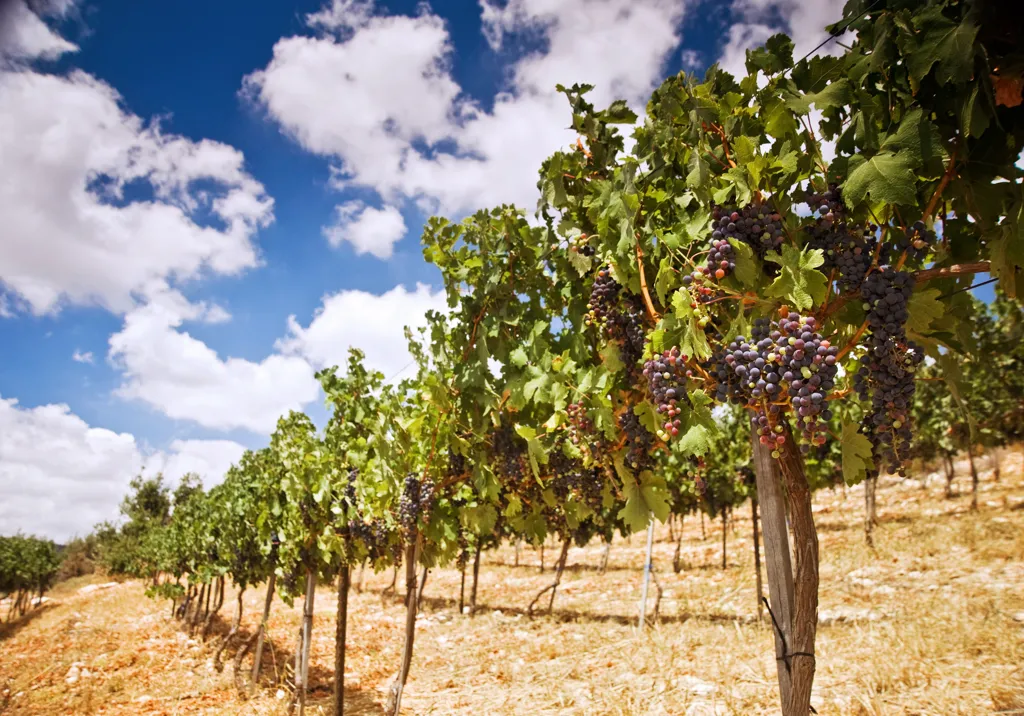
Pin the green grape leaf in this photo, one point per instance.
(799, 281)
(917, 140)
(700, 172)
(656, 495)
(518, 357)
(775, 56)
(923, 310)
(1007, 257)
(646, 415)
(693, 341)
(836, 94)
(635, 513)
(946, 44)
(747, 271)
(886, 177)
(583, 264)
(695, 441)
(955, 382)
(857, 458)
(667, 280)
(610, 357)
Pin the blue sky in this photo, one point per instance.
(206, 202)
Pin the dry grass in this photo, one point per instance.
(924, 624)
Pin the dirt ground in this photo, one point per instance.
(929, 622)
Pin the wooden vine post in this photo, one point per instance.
(777, 559)
(341, 625)
(647, 576)
(394, 700)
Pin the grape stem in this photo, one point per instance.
(725, 142)
(933, 203)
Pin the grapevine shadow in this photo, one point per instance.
(10, 628)
(574, 615)
(357, 701)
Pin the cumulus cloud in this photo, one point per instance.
(374, 93)
(24, 35)
(59, 476)
(369, 230)
(82, 357)
(757, 20)
(70, 233)
(373, 323)
(185, 379)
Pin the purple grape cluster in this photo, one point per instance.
(417, 500)
(456, 463)
(784, 363)
(627, 328)
(721, 257)
(666, 381)
(580, 425)
(757, 225)
(604, 296)
(350, 487)
(508, 450)
(639, 441)
(571, 477)
(916, 242)
(886, 373)
(374, 535)
(847, 248)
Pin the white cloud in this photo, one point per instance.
(80, 357)
(25, 36)
(743, 37)
(369, 230)
(377, 96)
(691, 59)
(757, 20)
(70, 153)
(59, 476)
(185, 379)
(373, 323)
(210, 459)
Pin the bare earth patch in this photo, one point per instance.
(930, 622)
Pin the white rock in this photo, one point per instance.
(695, 686)
(280, 694)
(90, 588)
(86, 673)
(1018, 617)
(145, 698)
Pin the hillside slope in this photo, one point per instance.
(931, 622)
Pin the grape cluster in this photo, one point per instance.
(886, 373)
(604, 295)
(699, 289)
(581, 244)
(756, 224)
(569, 476)
(721, 258)
(666, 380)
(417, 500)
(848, 248)
(456, 463)
(639, 441)
(828, 203)
(628, 329)
(350, 487)
(784, 363)
(508, 448)
(580, 425)
(915, 241)
(374, 535)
